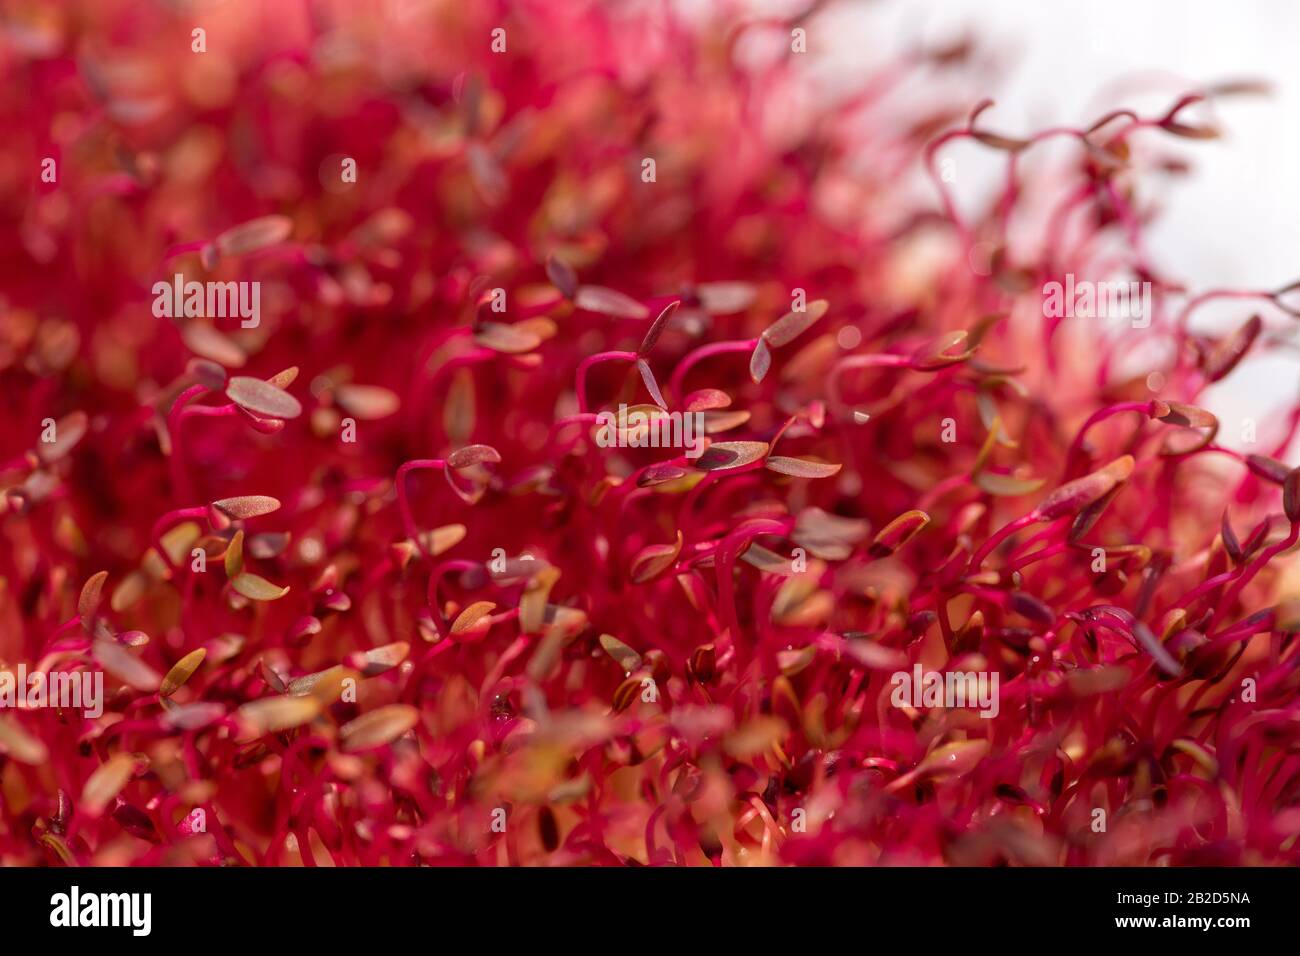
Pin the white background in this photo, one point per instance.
(1235, 221)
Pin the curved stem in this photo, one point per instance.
(580, 377)
(1006, 531)
(1101, 415)
(1253, 569)
(852, 362)
(174, 419)
(696, 356)
(168, 520)
(403, 504)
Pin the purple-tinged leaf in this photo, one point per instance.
(1188, 416)
(793, 324)
(998, 141)
(1075, 495)
(1229, 352)
(472, 455)
(367, 402)
(507, 339)
(1257, 537)
(1031, 607)
(1189, 132)
(126, 667)
(273, 678)
(760, 362)
(378, 660)
(706, 399)
(897, 533)
(657, 329)
(769, 561)
(654, 560)
(91, 594)
(725, 298)
(262, 398)
(651, 385)
(247, 506)
(320, 685)
(208, 374)
(802, 467)
(254, 235)
(598, 298)
(562, 276)
(1270, 469)
(378, 728)
(731, 454)
(1157, 650)
(939, 353)
(134, 821)
(469, 493)
(1086, 518)
(826, 535)
(1230, 542)
(659, 474)
(1188, 439)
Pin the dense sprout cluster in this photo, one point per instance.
(370, 585)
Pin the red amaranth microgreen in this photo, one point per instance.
(313, 653)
